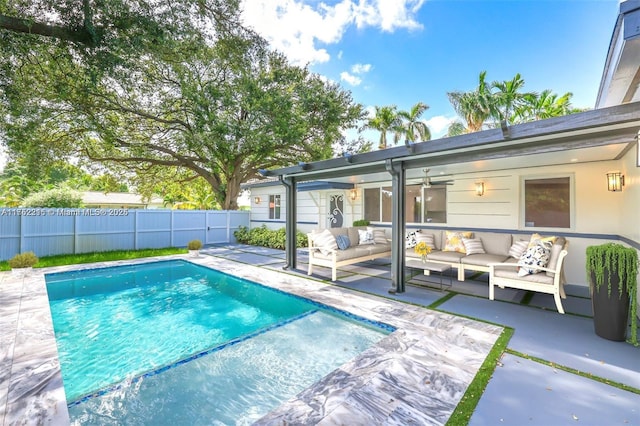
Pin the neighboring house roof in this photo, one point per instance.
(117, 198)
(621, 75)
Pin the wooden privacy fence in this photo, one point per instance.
(51, 231)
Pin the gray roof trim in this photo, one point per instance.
(303, 186)
(621, 54)
(320, 185)
(617, 124)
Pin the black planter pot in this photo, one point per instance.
(610, 313)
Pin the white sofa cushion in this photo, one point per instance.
(325, 241)
(537, 255)
(379, 235)
(473, 246)
(410, 239)
(365, 237)
(518, 248)
(427, 238)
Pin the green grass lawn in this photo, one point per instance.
(71, 259)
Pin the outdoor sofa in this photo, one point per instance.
(503, 256)
(357, 244)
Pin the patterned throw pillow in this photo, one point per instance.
(537, 255)
(379, 236)
(325, 241)
(343, 242)
(518, 248)
(537, 238)
(365, 237)
(428, 239)
(453, 241)
(410, 239)
(473, 246)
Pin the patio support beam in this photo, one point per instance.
(291, 216)
(397, 171)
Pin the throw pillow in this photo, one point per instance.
(518, 248)
(453, 241)
(343, 242)
(473, 246)
(555, 254)
(325, 241)
(365, 237)
(379, 236)
(410, 239)
(537, 255)
(428, 239)
(536, 238)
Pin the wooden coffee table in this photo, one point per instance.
(429, 267)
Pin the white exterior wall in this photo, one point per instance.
(313, 208)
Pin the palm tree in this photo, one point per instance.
(456, 128)
(474, 107)
(543, 105)
(507, 98)
(411, 125)
(385, 120)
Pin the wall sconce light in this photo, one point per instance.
(615, 181)
(257, 200)
(353, 194)
(479, 189)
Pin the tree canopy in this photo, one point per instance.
(489, 104)
(164, 86)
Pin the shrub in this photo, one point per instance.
(361, 222)
(57, 197)
(23, 260)
(264, 237)
(194, 245)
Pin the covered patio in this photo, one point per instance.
(583, 146)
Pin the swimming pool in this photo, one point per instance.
(171, 338)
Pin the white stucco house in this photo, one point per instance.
(585, 166)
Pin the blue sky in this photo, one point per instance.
(399, 52)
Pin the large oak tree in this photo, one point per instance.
(178, 86)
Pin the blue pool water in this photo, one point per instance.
(140, 344)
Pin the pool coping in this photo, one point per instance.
(416, 374)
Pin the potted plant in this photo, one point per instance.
(194, 247)
(612, 270)
(22, 263)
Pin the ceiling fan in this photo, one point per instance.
(427, 182)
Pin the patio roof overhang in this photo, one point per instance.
(596, 128)
(545, 140)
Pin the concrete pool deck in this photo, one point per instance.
(416, 375)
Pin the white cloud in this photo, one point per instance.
(296, 28)
(388, 15)
(361, 68)
(349, 78)
(439, 125)
(357, 69)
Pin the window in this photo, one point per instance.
(422, 204)
(274, 206)
(435, 206)
(547, 202)
(372, 204)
